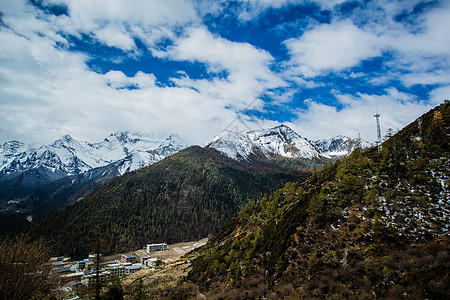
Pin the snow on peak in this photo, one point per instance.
(234, 145)
(72, 157)
(276, 141)
(281, 141)
(173, 140)
(339, 145)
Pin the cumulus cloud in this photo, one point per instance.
(118, 80)
(423, 54)
(247, 68)
(331, 47)
(397, 109)
(438, 95)
(116, 22)
(63, 95)
(115, 37)
(251, 9)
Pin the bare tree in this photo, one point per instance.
(24, 268)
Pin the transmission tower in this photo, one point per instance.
(377, 116)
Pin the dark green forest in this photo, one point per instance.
(185, 197)
(369, 226)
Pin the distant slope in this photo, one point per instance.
(369, 226)
(184, 197)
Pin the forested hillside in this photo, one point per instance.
(184, 197)
(370, 226)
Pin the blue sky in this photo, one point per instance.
(197, 67)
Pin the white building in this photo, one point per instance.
(157, 247)
(116, 269)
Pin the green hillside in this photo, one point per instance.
(370, 226)
(185, 197)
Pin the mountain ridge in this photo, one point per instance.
(74, 157)
(25, 168)
(280, 141)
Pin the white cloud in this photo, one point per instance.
(425, 53)
(438, 95)
(116, 22)
(251, 9)
(247, 68)
(419, 49)
(88, 14)
(118, 80)
(115, 37)
(397, 109)
(47, 90)
(331, 47)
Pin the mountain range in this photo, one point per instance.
(26, 168)
(67, 156)
(281, 141)
(131, 151)
(339, 146)
(35, 180)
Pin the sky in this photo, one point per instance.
(89, 68)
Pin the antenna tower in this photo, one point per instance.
(377, 116)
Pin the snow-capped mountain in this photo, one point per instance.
(138, 159)
(277, 141)
(338, 146)
(282, 141)
(69, 156)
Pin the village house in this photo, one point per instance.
(116, 269)
(128, 258)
